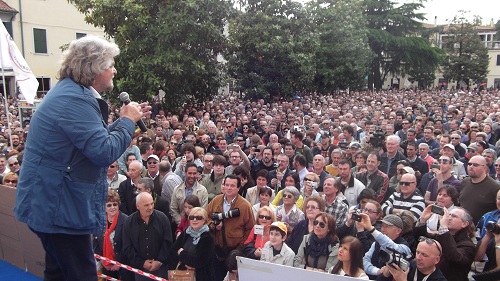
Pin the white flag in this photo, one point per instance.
(12, 58)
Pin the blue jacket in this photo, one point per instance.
(62, 186)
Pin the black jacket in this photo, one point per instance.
(127, 193)
(201, 258)
(383, 163)
(161, 225)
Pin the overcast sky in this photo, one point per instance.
(447, 9)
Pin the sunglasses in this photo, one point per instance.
(455, 138)
(311, 207)
(198, 218)
(112, 166)
(173, 143)
(289, 196)
(308, 180)
(474, 164)
(430, 241)
(444, 161)
(15, 163)
(152, 162)
(10, 181)
(463, 129)
(406, 183)
(264, 217)
(320, 223)
(109, 205)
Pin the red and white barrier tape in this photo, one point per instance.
(128, 267)
(100, 275)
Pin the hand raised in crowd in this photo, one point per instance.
(365, 222)
(426, 214)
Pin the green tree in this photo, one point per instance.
(168, 45)
(271, 49)
(343, 54)
(394, 37)
(467, 55)
(497, 28)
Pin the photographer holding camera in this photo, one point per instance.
(230, 219)
(423, 267)
(388, 243)
(454, 233)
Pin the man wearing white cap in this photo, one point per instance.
(153, 172)
(458, 167)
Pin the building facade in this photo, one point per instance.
(41, 28)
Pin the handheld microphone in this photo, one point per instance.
(124, 97)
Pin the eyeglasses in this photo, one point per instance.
(152, 162)
(229, 127)
(311, 207)
(112, 166)
(320, 223)
(474, 127)
(444, 161)
(463, 129)
(289, 196)
(15, 163)
(308, 180)
(474, 164)
(173, 143)
(10, 181)
(109, 205)
(198, 218)
(234, 157)
(430, 241)
(240, 140)
(366, 210)
(264, 217)
(455, 138)
(406, 183)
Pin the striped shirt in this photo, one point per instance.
(414, 203)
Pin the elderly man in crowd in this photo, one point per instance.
(408, 199)
(147, 239)
(390, 158)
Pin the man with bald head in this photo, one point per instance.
(408, 199)
(478, 191)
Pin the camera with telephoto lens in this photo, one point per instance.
(355, 216)
(377, 138)
(391, 256)
(493, 227)
(218, 217)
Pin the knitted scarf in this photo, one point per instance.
(107, 247)
(319, 247)
(195, 234)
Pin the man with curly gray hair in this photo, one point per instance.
(62, 187)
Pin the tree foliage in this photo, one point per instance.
(271, 49)
(343, 54)
(394, 37)
(168, 45)
(467, 55)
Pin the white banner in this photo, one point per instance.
(12, 58)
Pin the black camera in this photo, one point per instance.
(493, 227)
(377, 139)
(218, 217)
(391, 256)
(355, 216)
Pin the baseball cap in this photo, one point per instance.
(473, 146)
(280, 225)
(393, 220)
(450, 146)
(154, 157)
(409, 170)
(355, 145)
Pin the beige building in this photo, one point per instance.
(40, 28)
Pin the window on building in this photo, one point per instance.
(40, 40)
(498, 59)
(43, 86)
(8, 27)
(80, 35)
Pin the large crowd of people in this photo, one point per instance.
(396, 184)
